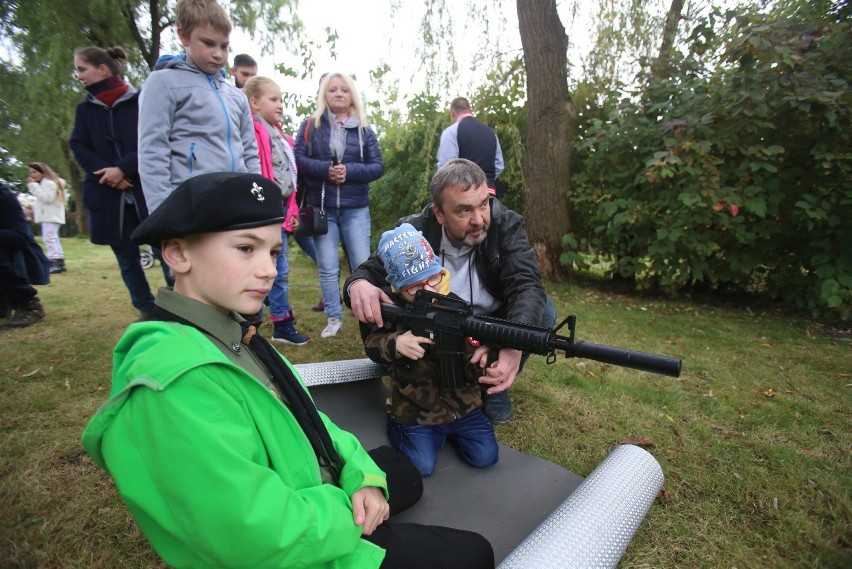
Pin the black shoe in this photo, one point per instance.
(320, 307)
(26, 315)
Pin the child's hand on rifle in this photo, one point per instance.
(480, 356)
(410, 346)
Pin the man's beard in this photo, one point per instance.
(474, 241)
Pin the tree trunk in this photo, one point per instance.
(551, 119)
(661, 65)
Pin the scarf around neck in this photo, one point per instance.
(109, 90)
(337, 140)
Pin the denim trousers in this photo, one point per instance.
(127, 255)
(352, 226)
(473, 436)
(306, 244)
(279, 294)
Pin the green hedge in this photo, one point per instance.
(732, 173)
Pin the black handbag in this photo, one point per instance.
(312, 220)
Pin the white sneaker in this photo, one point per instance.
(332, 328)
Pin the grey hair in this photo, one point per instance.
(457, 172)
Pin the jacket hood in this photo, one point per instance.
(134, 367)
(179, 62)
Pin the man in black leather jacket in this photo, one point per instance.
(493, 266)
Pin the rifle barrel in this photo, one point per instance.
(642, 361)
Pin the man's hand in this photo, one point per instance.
(369, 509)
(408, 345)
(501, 374)
(111, 176)
(366, 301)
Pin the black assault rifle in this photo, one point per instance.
(450, 320)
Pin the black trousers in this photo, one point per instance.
(417, 546)
(15, 290)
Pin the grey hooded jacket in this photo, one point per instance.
(191, 123)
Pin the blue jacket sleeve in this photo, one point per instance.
(373, 167)
(313, 166)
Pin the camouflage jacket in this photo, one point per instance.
(417, 397)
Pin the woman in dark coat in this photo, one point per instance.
(104, 144)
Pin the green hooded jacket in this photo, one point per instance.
(215, 468)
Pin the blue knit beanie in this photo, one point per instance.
(407, 256)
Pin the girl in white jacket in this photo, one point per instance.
(49, 211)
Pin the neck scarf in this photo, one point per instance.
(109, 90)
(299, 402)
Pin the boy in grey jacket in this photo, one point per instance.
(192, 121)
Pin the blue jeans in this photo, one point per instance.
(306, 244)
(127, 255)
(279, 295)
(473, 435)
(352, 226)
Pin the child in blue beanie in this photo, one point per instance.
(422, 413)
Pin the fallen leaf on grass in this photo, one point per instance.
(769, 393)
(639, 442)
(666, 496)
(32, 372)
(816, 453)
(67, 384)
(678, 432)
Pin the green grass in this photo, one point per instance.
(752, 480)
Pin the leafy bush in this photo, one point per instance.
(733, 173)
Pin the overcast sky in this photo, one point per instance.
(369, 35)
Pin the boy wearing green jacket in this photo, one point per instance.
(209, 434)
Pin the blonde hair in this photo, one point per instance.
(257, 85)
(190, 14)
(48, 173)
(355, 109)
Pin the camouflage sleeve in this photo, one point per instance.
(380, 345)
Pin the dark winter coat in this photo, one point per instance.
(363, 160)
(19, 252)
(103, 137)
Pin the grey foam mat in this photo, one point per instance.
(504, 503)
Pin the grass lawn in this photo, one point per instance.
(755, 438)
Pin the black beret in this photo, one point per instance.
(220, 201)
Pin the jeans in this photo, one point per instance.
(50, 236)
(473, 434)
(306, 244)
(352, 226)
(127, 255)
(279, 295)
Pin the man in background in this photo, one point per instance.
(244, 68)
(473, 140)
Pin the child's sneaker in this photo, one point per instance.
(332, 328)
(285, 333)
